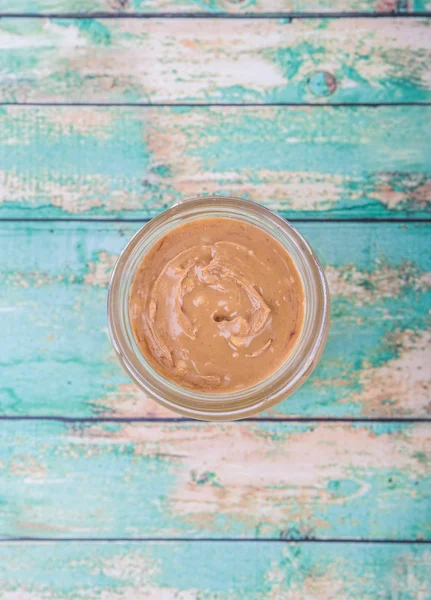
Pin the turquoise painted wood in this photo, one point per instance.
(133, 162)
(213, 571)
(201, 480)
(247, 7)
(211, 61)
(57, 359)
(270, 482)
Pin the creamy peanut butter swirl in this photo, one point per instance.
(217, 305)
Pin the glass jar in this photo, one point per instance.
(234, 405)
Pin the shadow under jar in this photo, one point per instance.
(212, 403)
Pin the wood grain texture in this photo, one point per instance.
(213, 571)
(57, 360)
(214, 61)
(250, 7)
(264, 480)
(343, 162)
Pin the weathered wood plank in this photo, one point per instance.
(214, 571)
(56, 357)
(265, 480)
(133, 162)
(133, 7)
(210, 61)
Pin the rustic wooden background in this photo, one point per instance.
(110, 111)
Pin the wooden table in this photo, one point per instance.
(111, 110)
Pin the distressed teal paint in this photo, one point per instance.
(127, 483)
(65, 361)
(113, 162)
(93, 74)
(330, 147)
(96, 31)
(67, 366)
(417, 5)
(68, 354)
(112, 479)
(72, 155)
(212, 571)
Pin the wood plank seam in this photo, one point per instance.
(221, 540)
(119, 221)
(261, 419)
(220, 15)
(212, 105)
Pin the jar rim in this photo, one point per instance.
(232, 405)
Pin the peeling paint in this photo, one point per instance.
(100, 271)
(386, 281)
(403, 383)
(292, 470)
(128, 401)
(267, 480)
(209, 571)
(76, 58)
(125, 162)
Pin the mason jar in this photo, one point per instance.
(248, 402)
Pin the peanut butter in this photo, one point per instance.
(217, 305)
